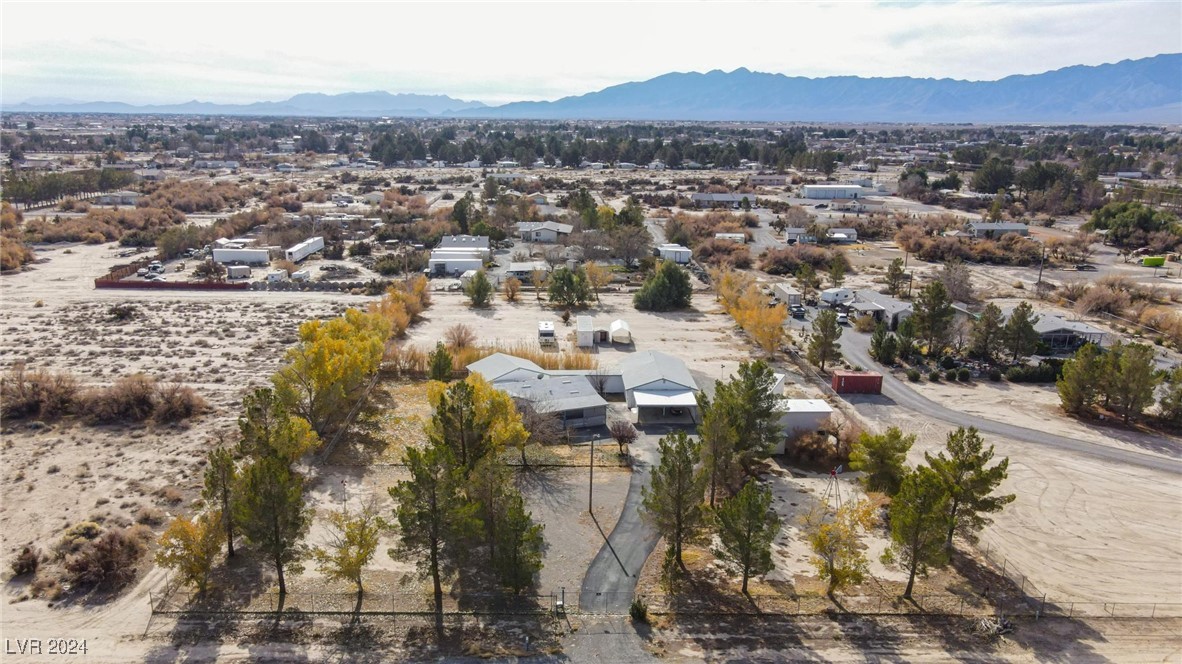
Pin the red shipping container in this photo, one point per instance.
(857, 382)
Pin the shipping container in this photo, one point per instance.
(857, 382)
(248, 256)
(238, 271)
(1153, 261)
(304, 249)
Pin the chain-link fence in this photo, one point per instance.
(187, 603)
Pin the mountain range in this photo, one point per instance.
(1148, 90)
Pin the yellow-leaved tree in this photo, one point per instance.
(474, 419)
(190, 546)
(838, 554)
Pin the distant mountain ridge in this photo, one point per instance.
(349, 104)
(1148, 90)
(1145, 90)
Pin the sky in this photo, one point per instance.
(496, 52)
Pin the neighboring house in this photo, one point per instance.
(658, 386)
(722, 200)
(883, 307)
(675, 253)
(799, 416)
(794, 235)
(842, 234)
(525, 270)
(457, 254)
(1060, 334)
(476, 243)
(543, 231)
(994, 230)
(118, 198)
(767, 180)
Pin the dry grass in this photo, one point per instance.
(414, 361)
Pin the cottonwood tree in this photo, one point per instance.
(537, 279)
(987, 340)
(511, 289)
(439, 363)
(269, 510)
(882, 457)
(630, 243)
(673, 501)
(221, 482)
(823, 346)
(969, 482)
(667, 289)
(838, 554)
(435, 520)
(189, 546)
(598, 277)
(919, 521)
(718, 440)
(932, 317)
(957, 281)
(352, 543)
(747, 525)
(1021, 339)
(569, 288)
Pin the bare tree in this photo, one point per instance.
(624, 433)
(460, 336)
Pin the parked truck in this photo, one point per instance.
(304, 249)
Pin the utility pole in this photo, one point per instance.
(591, 478)
(1042, 259)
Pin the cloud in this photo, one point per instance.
(496, 52)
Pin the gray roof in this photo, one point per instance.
(722, 198)
(1050, 322)
(555, 394)
(499, 364)
(649, 366)
(463, 242)
(530, 226)
(884, 302)
(996, 226)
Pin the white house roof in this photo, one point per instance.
(463, 242)
(803, 406)
(650, 366)
(672, 247)
(499, 364)
(531, 226)
(664, 398)
(1050, 322)
(584, 324)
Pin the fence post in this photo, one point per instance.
(1003, 566)
(960, 608)
(1041, 607)
(1153, 611)
(151, 602)
(1023, 584)
(1071, 610)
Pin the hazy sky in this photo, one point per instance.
(164, 52)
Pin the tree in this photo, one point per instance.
(269, 430)
(882, 457)
(877, 339)
(598, 277)
(352, 543)
(969, 482)
(919, 521)
(190, 546)
(957, 281)
(1170, 404)
(747, 525)
(479, 289)
(749, 407)
(994, 174)
(1021, 339)
(667, 289)
(473, 419)
(511, 289)
(630, 243)
(210, 271)
(491, 189)
(462, 212)
(1131, 386)
(823, 346)
(838, 554)
(434, 519)
(932, 316)
(519, 547)
(673, 501)
(221, 481)
(718, 440)
(986, 339)
(537, 279)
(895, 276)
(837, 273)
(765, 325)
(1080, 383)
(569, 288)
(623, 432)
(271, 513)
(439, 363)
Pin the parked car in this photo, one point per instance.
(797, 311)
(843, 319)
(142, 272)
(1085, 267)
(821, 206)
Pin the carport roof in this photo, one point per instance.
(679, 398)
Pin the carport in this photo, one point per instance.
(670, 406)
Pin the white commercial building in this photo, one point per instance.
(831, 191)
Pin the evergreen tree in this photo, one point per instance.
(837, 273)
(718, 444)
(440, 363)
(1133, 383)
(1079, 385)
(748, 405)
(919, 522)
(1021, 339)
(823, 346)
(932, 317)
(668, 289)
(747, 525)
(479, 290)
(895, 276)
(969, 482)
(221, 481)
(519, 546)
(1170, 405)
(673, 501)
(882, 457)
(569, 288)
(986, 340)
(270, 511)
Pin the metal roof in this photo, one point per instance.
(649, 366)
(556, 394)
(498, 364)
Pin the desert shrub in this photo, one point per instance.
(1103, 299)
(108, 561)
(947, 362)
(130, 399)
(1072, 291)
(176, 402)
(913, 375)
(995, 374)
(460, 336)
(950, 375)
(788, 260)
(814, 450)
(720, 252)
(76, 536)
(964, 375)
(26, 562)
(38, 394)
(194, 195)
(103, 225)
(14, 252)
(1047, 371)
(638, 611)
(121, 312)
(865, 324)
(149, 516)
(934, 376)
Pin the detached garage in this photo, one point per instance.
(659, 388)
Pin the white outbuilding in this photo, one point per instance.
(675, 253)
(620, 332)
(584, 331)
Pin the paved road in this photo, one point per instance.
(856, 348)
(610, 581)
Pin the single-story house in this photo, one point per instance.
(767, 180)
(118, 198)
(571, 398)
(526, 269)
(444, 262)
(994, 230)
(675, 253)
(793, 235)
(701, 199)
(883, 307)
(842, 234)
(1060, 334)
(543, 231)
(658, 386)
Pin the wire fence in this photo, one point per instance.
(327, 603)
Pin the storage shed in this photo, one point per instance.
(857, 382)
(799, 416)
(620, 332)
(675, 253)
(584, 331)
